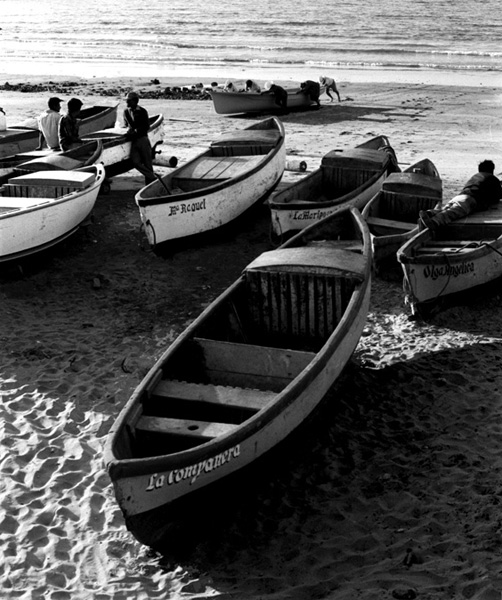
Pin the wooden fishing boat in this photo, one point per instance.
(40, 209)
(452, 259)
(351, 177)
(392, 214)
(235, 172)
(242, 377)
(117, 147)
(232, 103)
(18, 138)
(50, 160)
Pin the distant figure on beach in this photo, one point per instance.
(480, 192)
(230, 87)
(253, 87)
(280, 94)
(48, 125)
(311, 89)
(137, 122)
(68, 126)
(330, 84)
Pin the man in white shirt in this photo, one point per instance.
(48, 123)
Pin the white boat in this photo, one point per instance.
(454, 258)
(236, 171)
(40, 209)
(347, 178)
(117, 147)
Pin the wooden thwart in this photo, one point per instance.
(214, 394)
(391, 224)
(199, 430)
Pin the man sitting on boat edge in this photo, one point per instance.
(480, 192)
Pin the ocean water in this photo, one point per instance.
(356, 34)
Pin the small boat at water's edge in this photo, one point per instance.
(348, 178)
(239, 169)
(243, 376)
(40, 209)
(454, 258)
(392, 214)
(232, 103)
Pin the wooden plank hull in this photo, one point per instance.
(214, 188)
(16, 140)
(456, 258)
(29, 224)
(259, 381)
(392, 214)
(342, 180)
(232, 103)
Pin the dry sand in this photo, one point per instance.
(394, 493)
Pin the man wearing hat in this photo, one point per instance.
(48, 123)
(68, 126)
(138, 123)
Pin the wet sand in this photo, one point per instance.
(392, 491)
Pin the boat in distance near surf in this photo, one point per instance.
(249, 371)
(392, 214)
(345, 178)
(233, 103)
(238, 169)
(19, 138)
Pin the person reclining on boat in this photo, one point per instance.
(480, 192)
(311, 89)
(252, 86)
(330, 84)
(280, 94)
(48, 125)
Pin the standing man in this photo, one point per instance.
(68, 126)
(48, 125)
(330, 84)
(137, 121)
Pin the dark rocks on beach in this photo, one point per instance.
(75, 88)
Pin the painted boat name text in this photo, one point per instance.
(307, 215)
(435, 272)
(193, 471)
(187, 207)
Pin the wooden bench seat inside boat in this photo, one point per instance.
(215, 168)
(214, 395)
(246, 142)
(416, 184)
(186, 428)
(391, 224)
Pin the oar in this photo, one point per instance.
(163, 184)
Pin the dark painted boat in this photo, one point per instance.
(243, 376)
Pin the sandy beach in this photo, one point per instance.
(394, 491)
